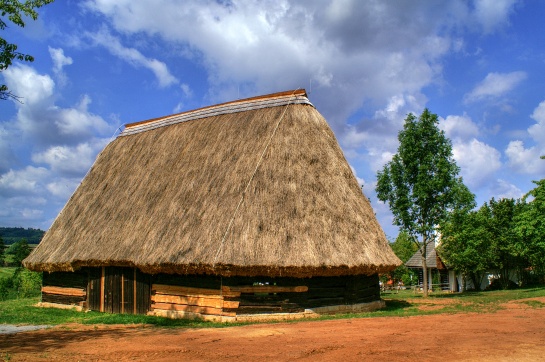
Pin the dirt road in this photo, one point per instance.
(515, 333)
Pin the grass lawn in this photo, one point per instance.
(405, 303)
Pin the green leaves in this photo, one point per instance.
(420, 183)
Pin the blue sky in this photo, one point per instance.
(479, 65)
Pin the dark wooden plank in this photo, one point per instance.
(143, 292)
(93, 288)
(62, 299)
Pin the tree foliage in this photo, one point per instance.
(497, 238)
(530, 227)
(19, 251)
(13, 234)
(421, 183)
(2, 251)
(465, 243)
(15, 12)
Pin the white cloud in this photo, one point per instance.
(278, 45)
(66, 160)
(459, 127)
(527, 160)
(40, 120)
(79, 121)
(133, 56)
(61, 142)
(504, 189)
(478, 161)
(537, 131)
(493, 14)
(25, 82)
(495, 85)
(26, 181)
(59, 61)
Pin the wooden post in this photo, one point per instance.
(122, 292)
(102, 290)
(134, 291)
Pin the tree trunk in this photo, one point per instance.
(424, 266)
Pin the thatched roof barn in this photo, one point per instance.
(252, 187)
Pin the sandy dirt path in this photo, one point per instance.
(516, 333)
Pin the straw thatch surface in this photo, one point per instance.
(165, 200)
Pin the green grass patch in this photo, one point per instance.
(534, 303)
(402, 304)
(25, 311)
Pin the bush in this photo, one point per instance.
(5, 285)
(27, 283)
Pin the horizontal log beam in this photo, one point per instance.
(74, 292)
(265, 289)
(190, 291)
(187, 308)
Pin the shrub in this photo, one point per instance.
(27, 283)
(5, 285)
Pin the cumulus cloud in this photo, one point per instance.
(33, 88)
(527, 159)
(276, 45)
(477, 161)
(26, 181)
(64, 142)
(39, 119)
(78, 121)
(459, 127)
(495, 85)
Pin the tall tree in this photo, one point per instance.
(15, 11)
(530, 226)
(421, 182)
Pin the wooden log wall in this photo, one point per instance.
(191, 300)
(208, 295)
(65, 288)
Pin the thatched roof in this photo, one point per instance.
(432, 259)
(252, 187)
